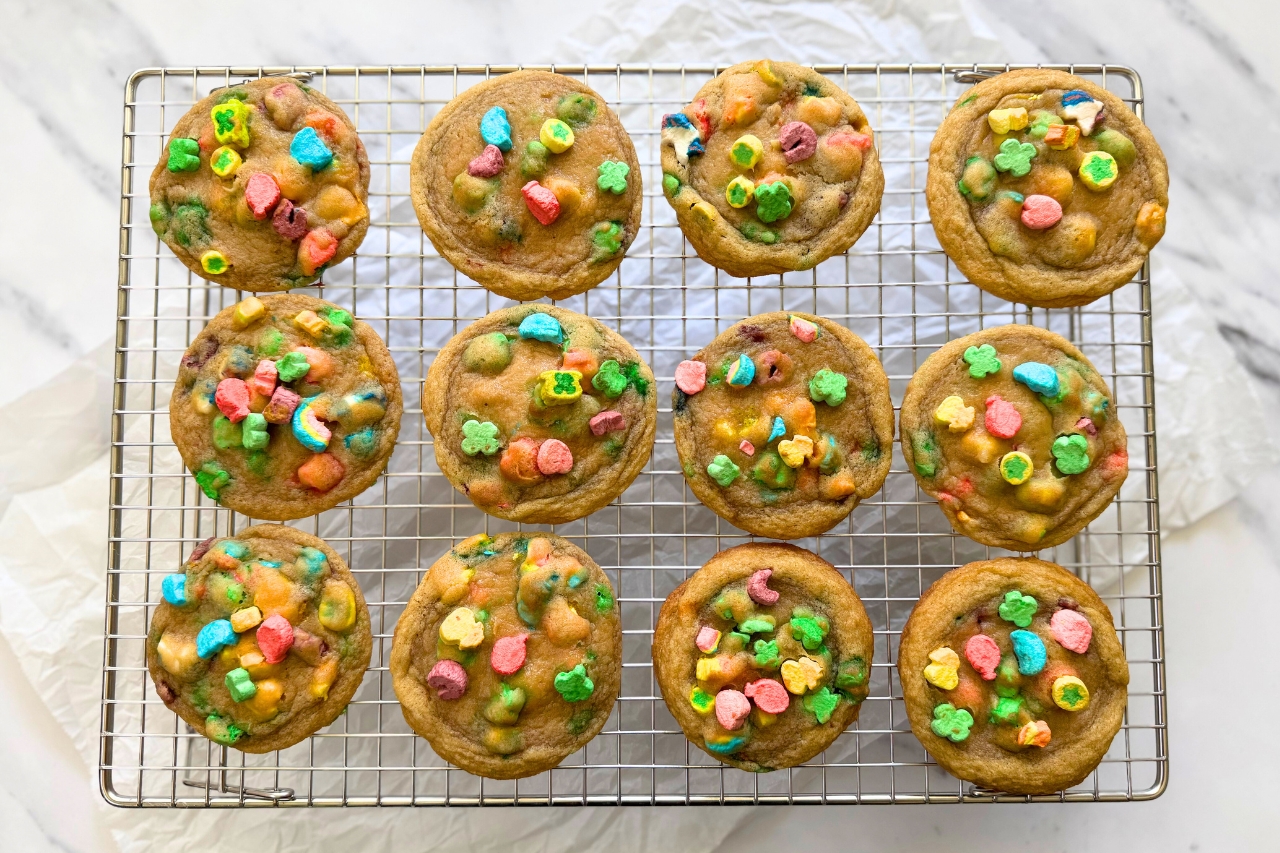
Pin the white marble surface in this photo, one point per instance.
(1211, 72)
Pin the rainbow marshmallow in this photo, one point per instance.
(309, 428)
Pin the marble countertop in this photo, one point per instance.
(1208, 65)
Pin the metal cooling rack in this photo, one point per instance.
(895, 288)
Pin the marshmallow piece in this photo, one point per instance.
(769, 696)
(983, 655)
(245, 619)
(214, 262)
(460, 628)
(448, 679)
(1071, 630)
(607, 422)
(487, 163)
(321, 472)
(247, 312)
(495, 129)
(805, 330)
(691, 376)
(542, 202)
(758, 588)
(508, 654)
(232, 399)
(943, 671)
(309, 149)
(732, 708)
(1029, 649)
(275, 638)
(798, 141)
(261, 194)
(1040, 212)
(213, 637)
(174, 589)
(554, 457)
(1002, 419)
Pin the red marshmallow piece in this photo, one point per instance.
(758, 588)
(607, 422)
(542, 202)
(232, 399)
(275, 637)
(1072, 630)
(732, 708)
(264, 378)
(983, 655)
(707, 640)
(289, 221)
(487, 163)
(1040, 212)
(554, 457)
(508, 654)
(798, 141)
(261, 193)
(1002, 419)
(691, 376)
(448, 679)
(769, 696)
(280, 409)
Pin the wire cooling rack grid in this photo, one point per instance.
(895, 288)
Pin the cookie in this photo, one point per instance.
(540, 414)
(783, 424)
(1016, 434)
(508, 658)
(772, 168)
(285, 406)
(1013, 676)
(262, 186)
(261, 639)
(1045, 189)
(763, 656)
(528, 184)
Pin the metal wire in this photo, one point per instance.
(895, 288)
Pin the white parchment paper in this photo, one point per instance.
(1213, 417)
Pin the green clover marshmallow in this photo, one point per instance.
(951, 722)
(1018, 608)
(1015, 157)
(480, 437)
(828, 387)
(1071, 454)
(982, 361)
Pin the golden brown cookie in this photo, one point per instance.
(261, 640)
(262, 186)
(783, 424)
(508, 657)
(1045, 188)
(763, 656)
(540, 414)
(528, 184)
(285, 406)
(1016, 434)
(1013, 676)
(772, 168)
